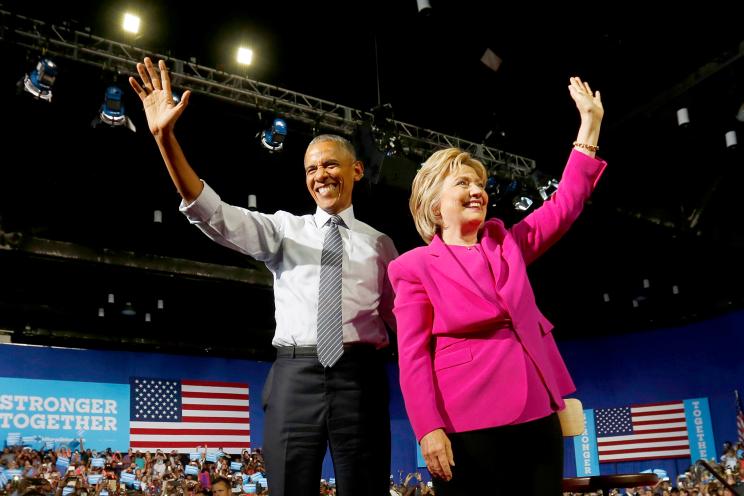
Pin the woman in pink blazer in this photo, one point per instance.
(480, 372)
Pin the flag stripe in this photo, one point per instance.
(632, 443)
(216, 415)
(226, 420)
(182, 444)
(658, 435)
(658, 410)
(214, 401)
(231, 408)
(227, 396)
(213, 384)
(221, 390)
(648, 449)
(652, 455)
(649, 429)
(192, 432)
(242, 425)
(648, 417)
(652, 424)
(199, 439)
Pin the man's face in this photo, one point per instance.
(220, 489)
(330, 174)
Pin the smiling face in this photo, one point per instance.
(463, 201)
(330, 174)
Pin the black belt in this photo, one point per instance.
(312, 351)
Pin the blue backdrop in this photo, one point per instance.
(33, 362)
(699, 360)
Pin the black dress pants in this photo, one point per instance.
(309, 407)
(524, 459)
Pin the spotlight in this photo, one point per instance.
(245, 56)
(522, 203)
(731, 140)
(424, 7)
(273, 139)
(547, 189)
(112, 111)
(39, 82)
(131, 23)
(683, 117)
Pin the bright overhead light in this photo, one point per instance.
(131, 23)
(245, 56)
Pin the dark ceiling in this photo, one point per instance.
(667, 210)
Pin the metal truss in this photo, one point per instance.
(63, 41)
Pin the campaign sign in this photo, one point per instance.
(58, 411)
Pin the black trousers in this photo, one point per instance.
(524, 459)
(308, 408)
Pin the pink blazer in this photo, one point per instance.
(459, 368)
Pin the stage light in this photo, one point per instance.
(731, 140)
(245, 56)
(522, 203)
(129, 310)
(112, 111)
(383, 130)
(39, 82)
(547, 189)
(683, 117)
(131, 23)
(424, 7)
(273, 139)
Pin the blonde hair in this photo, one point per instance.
(427, 187)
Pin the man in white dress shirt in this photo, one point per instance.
(308, 406)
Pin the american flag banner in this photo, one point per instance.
(183, 414)
(642, 432)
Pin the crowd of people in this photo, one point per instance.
(86, 472)
(28, 472)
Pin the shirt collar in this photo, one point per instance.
(321, 216)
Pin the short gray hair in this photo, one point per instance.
(345, 143)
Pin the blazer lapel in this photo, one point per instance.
(443, 263)
(493, 247)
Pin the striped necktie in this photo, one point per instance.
(330, 334)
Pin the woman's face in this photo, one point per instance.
(463, 200)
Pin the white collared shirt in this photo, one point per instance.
(291, 246)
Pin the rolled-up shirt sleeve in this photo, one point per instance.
(252, 233)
